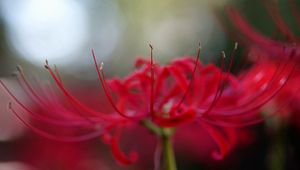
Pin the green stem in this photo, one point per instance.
(276, 154)
(168, 152)
(277, 151)
(165, 135)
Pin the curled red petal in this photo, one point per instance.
(224, 141)
(139, 62)
(120, 155)
(106, 138)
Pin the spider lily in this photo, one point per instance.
(159, 97)
(269, 49)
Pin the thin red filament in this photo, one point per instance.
(219, 88)
(40, 132)
(192, 78)
(229, 68)
(100, 74)
(152, 82)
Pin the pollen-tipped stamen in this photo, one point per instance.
(151, 81)
(76, 103)
(241, 112)
(45, 134)
(239, 123)
(228, 70)
(101, 77)
(57, 73)
(39, 117)
(192, 79)
(219, 88)
(275, 78)
(27, 87)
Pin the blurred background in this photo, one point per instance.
(65, 31)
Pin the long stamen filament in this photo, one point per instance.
(152, 82)
(279, 71)
(84, 137)
(229, 68)
(104, 85)
(192, 78)
(75, 102)
(219, 88)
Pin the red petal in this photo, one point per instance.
(224, 141)
(120, 155)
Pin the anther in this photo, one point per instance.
(199, 46)
(151, 46)
(236, 45)
(152, 82)
(46, 64)
(101, 66)
(19, 69)
(223, 54)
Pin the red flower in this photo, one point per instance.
(184, 91)
(263, 47)
(287, 100)
(274, 48)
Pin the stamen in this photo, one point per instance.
(229, 68)
(219, 89)
(222, 83)
(28, 88)
(237, 122)
(45, 134)
(192, 78)
(75, 101)
(37, 116)
(235, 46)
(19, 69)
(236, 112)
(50, 97)
(104, 86)
(232, 56)
(103, 83)
(50, 91)
(152, 83)
(101, 66)
(57, 73)
(275, 77)
(108, 95)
